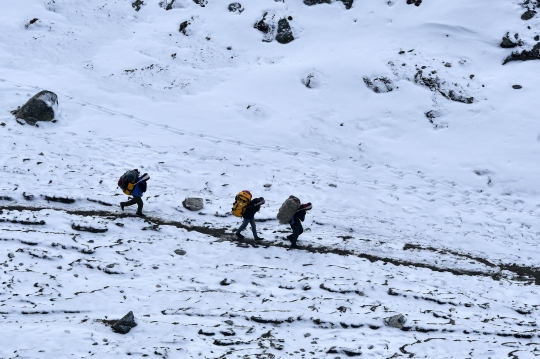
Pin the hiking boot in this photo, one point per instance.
(293, 244)
(122, 206)
(140, 214)
(239, 236)
(259, 238)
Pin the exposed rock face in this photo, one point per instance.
(193, 204)
(284, 32)
(525, 55)
(236, 7)
(124, 325)
(435, 84)
(507, 42)
(396, 321)
(39, 108)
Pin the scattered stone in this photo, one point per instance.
(28, 197)
(31, 22)
(395, 321)
(40, 107)
(267, 185)
(527, 15)
(180, 252)
(137, 5)
(11, 255)
(228, 332)
(6, 198)
(517, 87)
(193, 204)
(171, 4)
(124, 325)
(312, 80)
(414, 2)
(348, 352)
(88, 229)
(208, 333)
(379, 84)
(332, 185)
(348, 3)
(183, 27)
(236, 7)
(447, 64)
(316, 2)
(284, 34)
(224, 282)
(266, 26)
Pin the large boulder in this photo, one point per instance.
(395, 321)
(193, 204)
(525, 55)
(41, 107)
(284, 33)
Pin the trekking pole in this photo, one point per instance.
(144, 178)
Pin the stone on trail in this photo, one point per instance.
(180, 252)
(284, 32)
(193, 204)
(38, 108)
(124, 325)
(395, 321)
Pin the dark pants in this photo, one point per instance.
(135, 200)
(297, 230)
(244, 225)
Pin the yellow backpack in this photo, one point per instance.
(241, 201)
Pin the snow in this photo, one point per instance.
(433, 217)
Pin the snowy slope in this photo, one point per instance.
(424, 198)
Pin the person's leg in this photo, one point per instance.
(242, 227)
(296, 227)
(139, 202)
(254, 229)
(131, 202)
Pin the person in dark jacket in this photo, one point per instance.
(249, 217)
(137, 193)
(296, 223)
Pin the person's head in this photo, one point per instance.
(307, 206)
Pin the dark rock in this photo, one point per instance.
(262, 26)
(180, 252)
(137, 5)
(207, 333)
(59, 199)
(33, 21)
(183, 27)
(348, 3)
(527, 15)
(236, 7)
(39, 108)
(507, 43)
(379, 84)
(193, 204)
(346, 351)
(124, 325)
(517, 87)
(414, 2)
(284, 32)
(202, 3)
(537, 38)
(316, 2)
(28, 197)
(228, 332)
(88, 229)
(395, 321)
(525, 55)
(6, 198)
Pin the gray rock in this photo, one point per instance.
(525, 55)
(39, 108)
(193, 204)
(202, 3)
(263, 26)
(267, 185)
(316, 2)
(284, 32)
(527, 15)
(379, 84)
(348, 3)
(395, 321)
(11, 255)
(124, 325)
(180, 252)
(183, 27)
(517, 87)
(137, 5)
(508, 43)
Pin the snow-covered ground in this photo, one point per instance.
(423, 183)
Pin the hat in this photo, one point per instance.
(307, 206)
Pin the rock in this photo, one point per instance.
(183, 27)
(284, 32)
(229, 332)
(11, 255)
(124, 325)
(527, 15)
(507, 43)
(348, 3)
(180, 252)
(395, 321)
(517, 87)
(137, 5)
(379, 84)
(171, 4)
(316, 2)
(265, 27)
(525, 55)
(312, 80)
(236, 7)
(537, 38)
(267, 185)
(202, 3)
(39, 108)
(193, 204)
